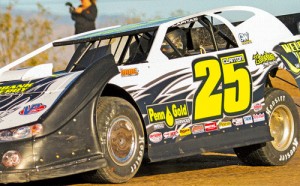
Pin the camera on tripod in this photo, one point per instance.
(72, 9)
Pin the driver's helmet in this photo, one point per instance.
(178, 38)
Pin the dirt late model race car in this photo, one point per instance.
(166, 88)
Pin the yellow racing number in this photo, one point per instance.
(225, 87)
(209, 71)
(237, 88)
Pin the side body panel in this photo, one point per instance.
(167, 98)
(210, 101)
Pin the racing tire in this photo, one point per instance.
(284, 127)
(121, 138)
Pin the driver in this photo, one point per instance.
(178, 39)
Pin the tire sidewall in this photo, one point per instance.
(275, 98)
(109, 109)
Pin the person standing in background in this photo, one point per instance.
(84, 16)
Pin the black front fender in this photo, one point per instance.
(86, 87)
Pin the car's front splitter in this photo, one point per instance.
(53, 171)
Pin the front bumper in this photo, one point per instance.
(53, 171)
(73, 148)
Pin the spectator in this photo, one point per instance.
(84, 16)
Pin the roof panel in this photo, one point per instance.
(114, 32)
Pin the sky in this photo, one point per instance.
(148, 9)
(151, 8)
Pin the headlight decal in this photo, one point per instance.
(20, 132)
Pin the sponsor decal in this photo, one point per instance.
(210, 126)
(32, 109)
(182, 121)
(159, 126)
(290, 55)
(244, 38)
(224, 101)
(291, 46)
(248, 119)
(140, 156)
(258, 117)
(173, 113)
(225, 124)
(171, 134)
(155, 137)
(237, 121)
(273, 103)
(265, 59)
(194, 19)
(257, 107)
(185, 132)
(129, 72)
(15, 89)
(237, 58)
(197, 129)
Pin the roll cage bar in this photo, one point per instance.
(138, 44)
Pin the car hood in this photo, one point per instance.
(23, 102)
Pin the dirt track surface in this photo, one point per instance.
(207, 169)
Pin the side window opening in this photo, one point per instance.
(202, 35)
(175, 43)
(139, 48)
(133, 49)
(221, 36)
(127, 49)
(201, 40)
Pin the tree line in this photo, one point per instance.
(21, 34)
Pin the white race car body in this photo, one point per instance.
(202, 97)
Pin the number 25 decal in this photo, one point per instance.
(229, 72)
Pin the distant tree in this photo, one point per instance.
(20, 35)
(134, 17)
(179, 12)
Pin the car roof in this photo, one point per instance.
(131, 29)
(112, 32)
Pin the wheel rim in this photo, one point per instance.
(122, 140)
(282, 127)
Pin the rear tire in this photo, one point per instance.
(122, 140)
(284, 127)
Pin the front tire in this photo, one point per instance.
(284, 127)
(121, 139)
